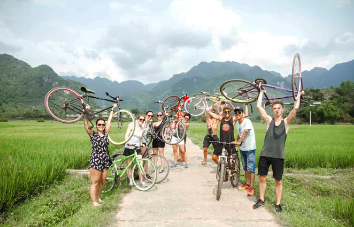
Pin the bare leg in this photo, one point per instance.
(162, 153)
(183, 151)
(215, 158)
(252, 177)
(155, 151)
(175, 154)
(103, 179)
(205, 149)
(278, 191)
(262, 186)
(247, 177)
(96, 176)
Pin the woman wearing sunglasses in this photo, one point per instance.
(158, 146)
(99, 159)
(135, 141)
(148, 120)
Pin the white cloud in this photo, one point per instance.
(138, 8)
(340, 3)
(116, 5)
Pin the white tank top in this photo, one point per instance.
(135, 138)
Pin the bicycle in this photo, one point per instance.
(172, 131)
(67, 106)
(227, 167)
(243, 91)
(198, 104)
(114, 176)
(160, 162)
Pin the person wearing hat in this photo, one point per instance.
(246, 138)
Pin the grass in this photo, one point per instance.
(309, 199)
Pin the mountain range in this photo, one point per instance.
(20, 83)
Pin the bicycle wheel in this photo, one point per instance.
(147, 176)
(221, 106)
(195, 106)
(162, 167)
(220, 180)
(296, 80)
(170, 104)
(173, 131)
(235, 171)
(111, 180)
(117, 134)
(239, 91)
(148, 137)
(64, 104)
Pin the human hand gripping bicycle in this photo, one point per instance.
(228, 167)
(245, 92)
(146, 172)
(67, 106)
(172, 130)
(198, 104)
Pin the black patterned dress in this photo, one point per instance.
(100, 156)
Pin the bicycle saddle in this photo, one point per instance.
(258, 80)
(84, 89)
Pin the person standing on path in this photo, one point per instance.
(272, 152)
(212, 134)
(99, 159)
(246, 137)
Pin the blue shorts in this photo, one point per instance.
(249, 161)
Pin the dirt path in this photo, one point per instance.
(187, 198)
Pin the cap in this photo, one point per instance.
(238, 108)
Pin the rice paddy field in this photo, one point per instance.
(33, 155)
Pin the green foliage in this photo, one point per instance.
(40, 120)
(3, 120)
(135, 111)
(344, 209)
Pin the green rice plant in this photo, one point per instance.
(344, 209)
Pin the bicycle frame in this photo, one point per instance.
(135, 157)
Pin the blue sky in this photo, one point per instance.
(150, 40)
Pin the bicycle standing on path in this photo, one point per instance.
(228, 167)
(67, 106)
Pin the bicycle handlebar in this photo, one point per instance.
(115, 98)
(224, 143)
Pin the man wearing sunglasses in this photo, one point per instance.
(226, 132)
(247, 142)
(212, 126)
(272, 152)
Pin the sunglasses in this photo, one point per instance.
(159, 115)
(238, 112)
(101, 124)
(149, 115)
(142, 120)
(226, 112)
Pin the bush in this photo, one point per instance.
(40, 120)
(3, 120)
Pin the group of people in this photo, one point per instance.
(272, 152)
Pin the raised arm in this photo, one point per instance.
(266, 118)
(216, 116)
(292, 113)
(86, 125)
(109, 122)
(245, 113)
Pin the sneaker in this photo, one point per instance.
(259, 204)
(143, 184)
(243, 187)
(148, 176)
(131, 184)
(161, 171)
(186, 166)
(174, 165)
(278, 208)
(250, 192)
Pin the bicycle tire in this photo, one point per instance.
(221, 107)
(64, 104)
(296, 79)
(239, 91)
(161, 176)
(111, 180)
(117, 135)
(235, 171)
(170, 104)
(195, 106)
(173, 131)
(149, 176)
(220, 180)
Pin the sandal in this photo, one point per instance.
(161, 170)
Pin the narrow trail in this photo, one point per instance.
(187, 198)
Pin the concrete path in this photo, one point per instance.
(187, 198)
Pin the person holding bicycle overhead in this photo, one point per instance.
(212, 135)
(158, 146)
(148, 120)
(134, 142)
(246, 136)
(99, 159)
(272, 152)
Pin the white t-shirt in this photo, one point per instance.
(249, 143)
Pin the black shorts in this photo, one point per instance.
(207, 139)
(218, 149)
(158, 144)
(277, 166)
(128, 151)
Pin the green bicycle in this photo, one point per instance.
(140, 174)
